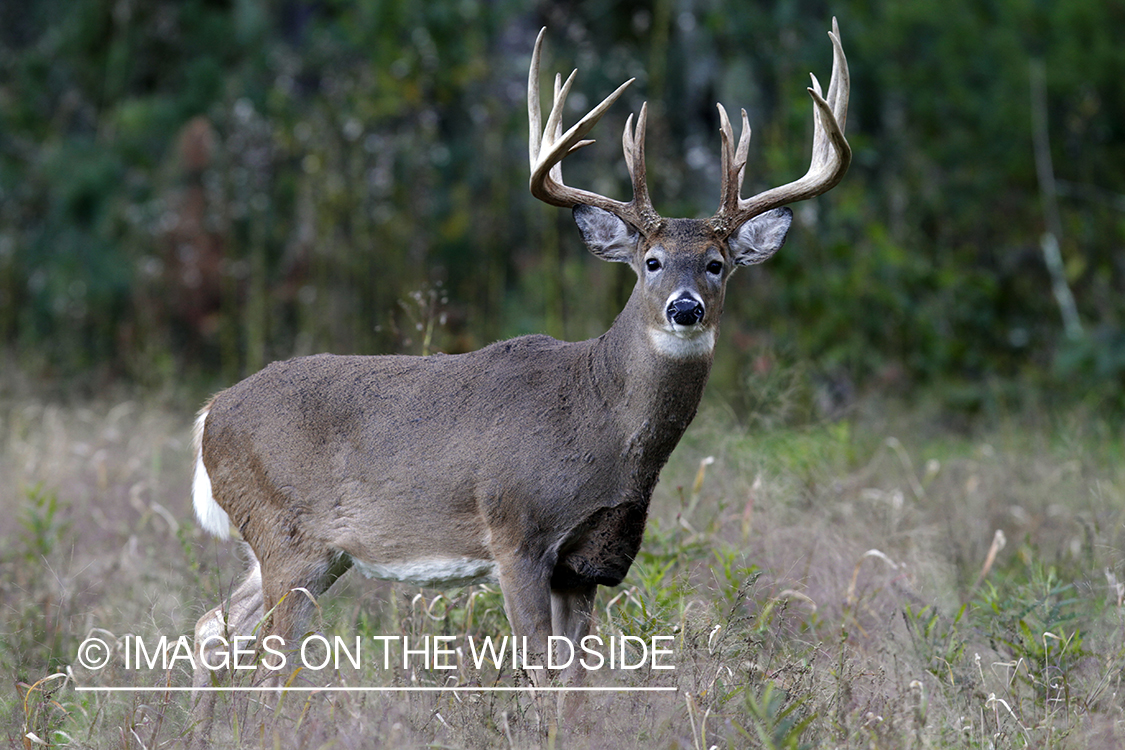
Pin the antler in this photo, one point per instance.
(547, 146)
(830, 157)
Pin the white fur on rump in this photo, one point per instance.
(212, 518)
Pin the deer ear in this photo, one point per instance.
(607, 236)
(758, 239)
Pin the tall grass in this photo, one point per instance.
(826, 583)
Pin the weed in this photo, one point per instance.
(776, 719)
(42, 712)
(42, 525)
(939, 641)
(824, 585)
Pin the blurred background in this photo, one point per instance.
(190, 189)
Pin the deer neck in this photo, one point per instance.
(653, 393)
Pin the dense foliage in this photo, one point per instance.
(208, 185)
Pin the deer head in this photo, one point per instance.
(682, 265)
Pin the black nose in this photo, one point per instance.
(685, 311)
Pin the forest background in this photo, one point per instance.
(189, 190)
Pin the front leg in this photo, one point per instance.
(525, 584)
(572, 614)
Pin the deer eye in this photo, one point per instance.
(715, 267)
(652, 264)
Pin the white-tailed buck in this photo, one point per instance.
(530, 462)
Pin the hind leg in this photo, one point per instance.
(273, 600)
(215, 634)
(290, 591)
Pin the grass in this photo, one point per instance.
(838, 583)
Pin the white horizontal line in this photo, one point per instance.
(331, 689)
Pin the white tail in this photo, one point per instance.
(211, 516)
(530, 462)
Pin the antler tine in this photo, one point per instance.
(633, 145)
(839, 86)
(553, 132)
(627, 141)
(540, 137)
(733, 159)
(727, 136)
(534, 116)
(743, 147)
(548, 145)
(831, 154)
(836, 101)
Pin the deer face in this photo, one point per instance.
(682, 269)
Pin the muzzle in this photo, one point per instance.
(685, 310)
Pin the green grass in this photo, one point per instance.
(825, 584)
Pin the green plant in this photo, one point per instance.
(41, 523)
(734, 576)
(939, 641)
(777, 721)
(38, 615)
(1037, 623)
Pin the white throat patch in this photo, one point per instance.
(686, 343)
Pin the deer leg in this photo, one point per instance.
(290, 593)
(527, 602)
(214, 640)
(525, 584)
(269, 596)
(572, 614)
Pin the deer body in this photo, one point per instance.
(425, 469)
(530, 462)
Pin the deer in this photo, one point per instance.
(529, 463)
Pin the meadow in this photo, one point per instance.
(890, 577)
